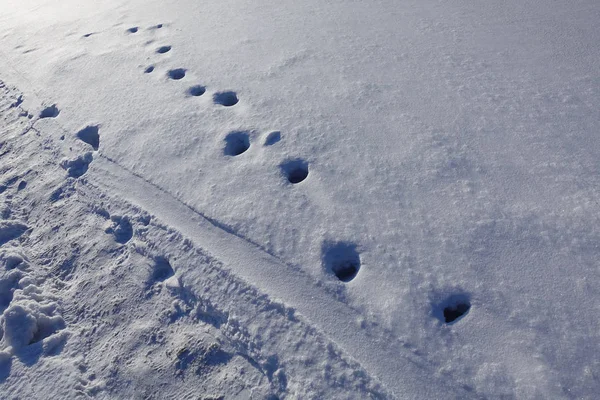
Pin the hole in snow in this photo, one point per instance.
(50, 112)
(22, 185)
(236, 143)
(163, 49)
(295, 170)
(90, 135)
(342, 259)
(176, 74)
(149, 69)
(226, 99)
(197, 90)
(453, 308)
(133, 29)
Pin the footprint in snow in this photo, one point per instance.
(453, 308)
(295, 170)
(161, 270)
(236, 143)
(163, 49)
(90, 135)
(79, 166)
(120, 228)
(197, 90)
(272, 138)
(50, 112)
(342, 259)
(226, 99)
(176, 74)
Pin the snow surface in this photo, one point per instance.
(260, 199)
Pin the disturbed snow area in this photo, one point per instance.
(100, 299)
(301, 199)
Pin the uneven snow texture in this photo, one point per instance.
(98, 299)
(417, 181)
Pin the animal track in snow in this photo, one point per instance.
(22, 185)
(149, 69)
(342, 259)
(161, 270)
(272, 138)
(50, 112)
(236, 143)
(176, 74)
(163, 49)
(295, 170)
(197, 90)
(133, 29)
(79, 166)
(226, 99)
(121, 229)
(90, 135)
(453, 309)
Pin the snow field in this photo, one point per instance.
(417, 181)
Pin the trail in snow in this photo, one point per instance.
(112, 303)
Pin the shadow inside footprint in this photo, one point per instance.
(50, 112)
(79, 166)
(176, 74)
(236, 143)
(196, 91)
(163, 49)
(5, 366)
(295, 170)
(342, 259)
(90, 135)
(453, 308)
(121, 229)
(161, 270)
(226, 99)
(272, 138)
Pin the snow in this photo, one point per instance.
(300, 199)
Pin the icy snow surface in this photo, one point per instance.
(300, 199)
